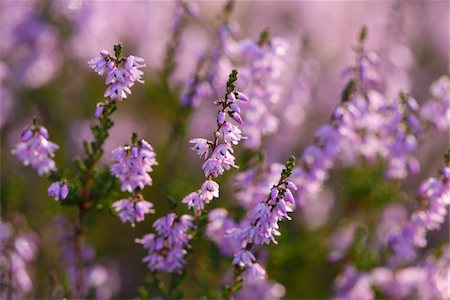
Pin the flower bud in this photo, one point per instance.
(221, 117)
(98, 110)
(237, 117)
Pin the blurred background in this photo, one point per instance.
(44, 52)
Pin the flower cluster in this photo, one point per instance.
(131, 164)
(16, 251)
(133, 210)
(434, 195)
(166, 248)
(122, 73)
(219, 156)
(58, 190)
(36, 150)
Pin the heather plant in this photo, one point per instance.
(223, 150)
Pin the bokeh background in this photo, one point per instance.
(44, 50)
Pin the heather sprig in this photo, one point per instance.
(261, 228)
(90, 185)
(132, 165)
(122, 72)
(219, 153)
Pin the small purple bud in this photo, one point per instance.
(234, 107)
(221, 117)
(26, 135)
(135, 151)
(231, 97)
(236, 117)
(110, 65)
(274, 193)
(446, 173)
(138, 209)
(291, 186)
(64, 190)
(104, 54)
(98, 110)
(412, 104)
(43, 131)
(242, 97)
(289, 197)
(54, 190)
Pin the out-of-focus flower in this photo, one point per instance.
(16, 251)
(36, 150)
(434, 196)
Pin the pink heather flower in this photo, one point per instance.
(100, 64)
(133, 210)
(210, 190)
(36, 150)
(58, 190)
(195, 200)
(224, 154)
(117, 91)
(244, 258)
(131, 164)
(201, 146)
(212, 167)
(230, 133)
(167, 248)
